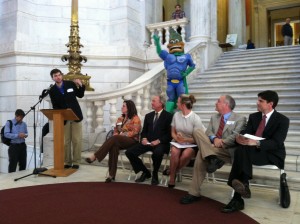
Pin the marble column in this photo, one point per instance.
(237, 20)
(214, 20)
(200, 20)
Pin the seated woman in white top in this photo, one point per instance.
(183, 124)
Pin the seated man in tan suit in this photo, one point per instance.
(216, 145)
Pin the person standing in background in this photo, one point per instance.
(17, 151)
(178, 14)
(287, 32)
(63, 95)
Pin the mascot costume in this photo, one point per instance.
(178, 66)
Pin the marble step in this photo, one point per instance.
(224, 73)
(243, 98)
(264, 67)
(204, 80)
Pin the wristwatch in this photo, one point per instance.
(257, 144)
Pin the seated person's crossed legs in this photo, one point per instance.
(208, 160)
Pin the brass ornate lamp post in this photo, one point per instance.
(74, 56)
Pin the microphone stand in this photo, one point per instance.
(36, 171)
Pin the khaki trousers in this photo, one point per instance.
(73, 142)
(206, 148)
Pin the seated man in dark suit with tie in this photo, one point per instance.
(216, 145)
(268, 124)
(155, 137)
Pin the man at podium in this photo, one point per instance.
(64, 95)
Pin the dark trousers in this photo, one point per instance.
(112, 146)
(158, 152)
(244, 158)
(17, 154)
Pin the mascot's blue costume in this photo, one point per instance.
(178, 66)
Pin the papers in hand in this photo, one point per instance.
(253, 137)
(182, 146)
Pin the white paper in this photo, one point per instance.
(253, 137)
(182, 146)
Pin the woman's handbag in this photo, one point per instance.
(285, 198)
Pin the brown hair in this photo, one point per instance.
(131, 108)
(187, 100)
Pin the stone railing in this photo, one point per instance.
(140, 90)
(164, 27)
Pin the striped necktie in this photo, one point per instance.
(221, 127)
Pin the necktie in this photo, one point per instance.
(221, 127)
(155, 120)
(261, 127)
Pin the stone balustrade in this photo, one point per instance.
(164, 27)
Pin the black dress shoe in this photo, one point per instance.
(188, 199)
(242, 189)
(67, 166)
(171, 186)
(75, 167)
(143, 177)
(214, 164)
(234, 205)
(88, 160)
(109, 180)
(166, 172)
(154, 181)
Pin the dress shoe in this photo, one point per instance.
(154, 180)
(88, 160)
(166, 172)
(242, 189)
(75, 167)
(171, 186)
(188, 199)
(234, 205)
(67, 166)
(143, 177)
(109, 180)
(214, 164)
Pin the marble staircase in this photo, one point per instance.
(244, 73)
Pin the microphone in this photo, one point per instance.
(49, 87)
(46, 92)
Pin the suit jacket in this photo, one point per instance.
(162, 130)
(68, 99)
(274, 133)
(235, 123)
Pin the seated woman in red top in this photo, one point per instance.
(126, 134)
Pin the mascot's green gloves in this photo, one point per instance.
(157, 43)
(184, 75)
(187, 72)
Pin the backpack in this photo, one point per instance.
(5, 140)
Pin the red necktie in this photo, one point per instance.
(221, 127)
(261, 127)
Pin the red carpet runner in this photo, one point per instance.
(94, 202)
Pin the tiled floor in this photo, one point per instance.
(262, 206)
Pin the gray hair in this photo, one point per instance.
(163, 100)
(230, 101)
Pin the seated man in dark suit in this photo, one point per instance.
(155, 137)
(268, 124)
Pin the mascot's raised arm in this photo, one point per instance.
(178, 66)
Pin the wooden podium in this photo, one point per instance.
(58, 117)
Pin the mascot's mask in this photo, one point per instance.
(175, 43)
